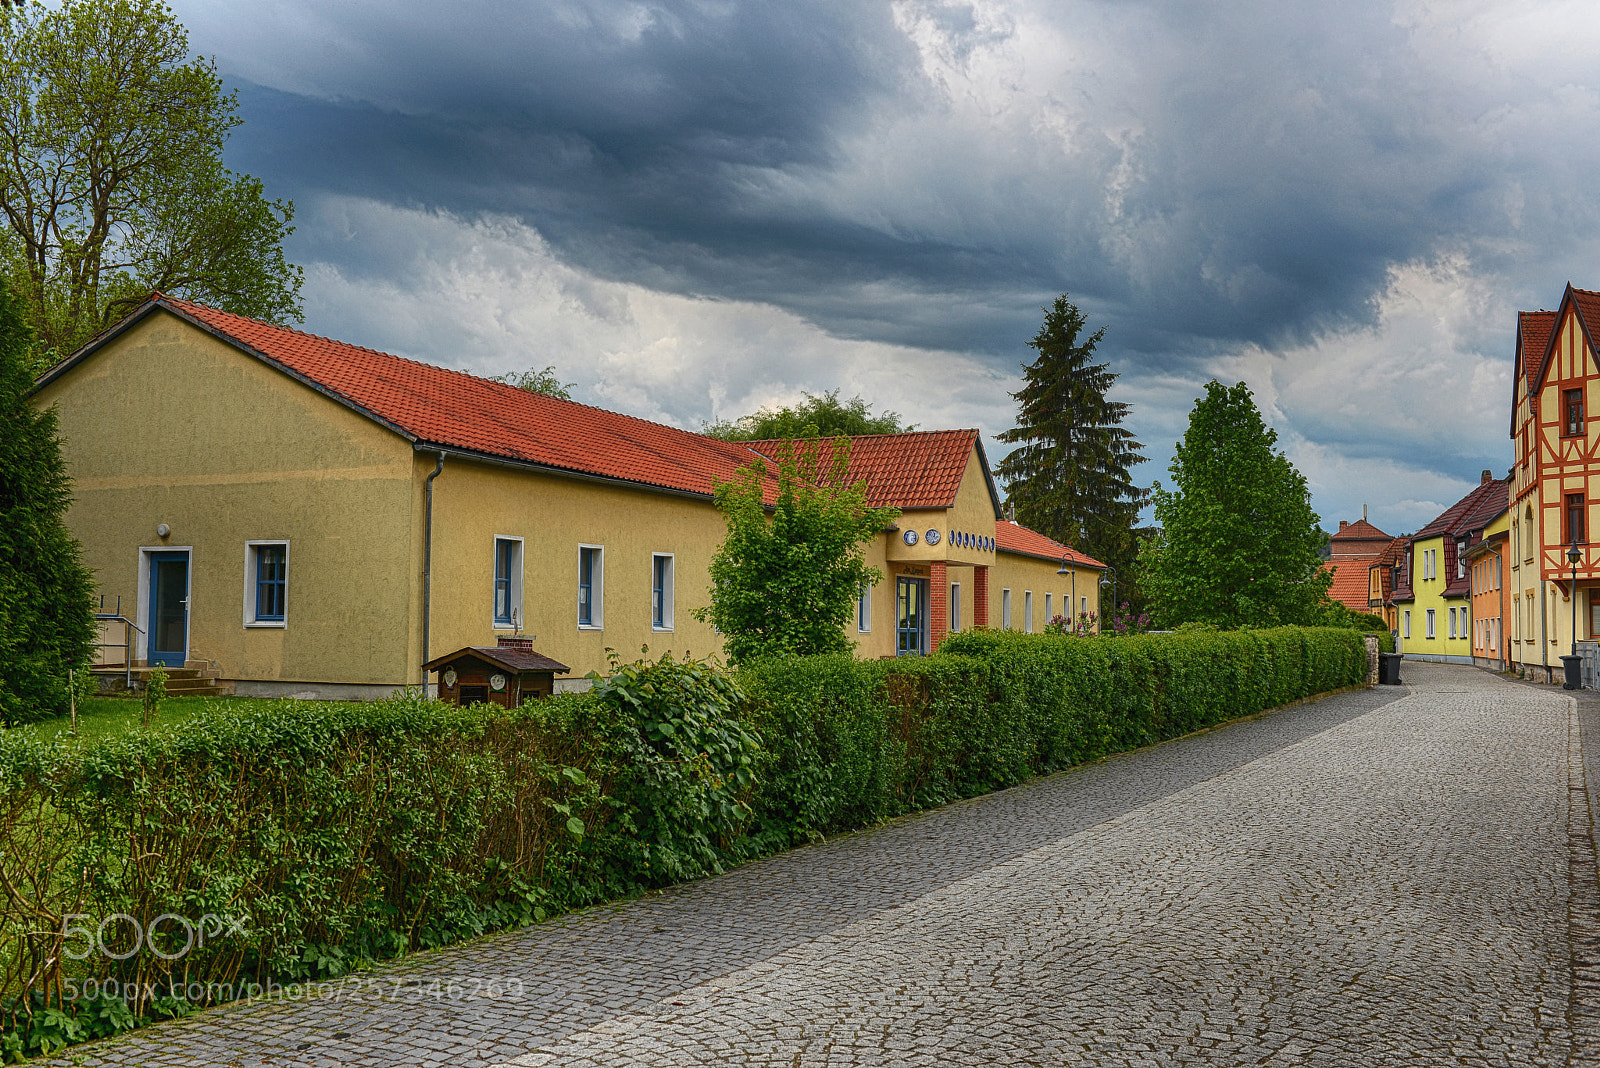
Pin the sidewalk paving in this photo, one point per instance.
(1387, 876)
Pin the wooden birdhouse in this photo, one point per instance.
(506, 674)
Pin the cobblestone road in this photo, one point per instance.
(1362, 880)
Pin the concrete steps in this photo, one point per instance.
(197, 678)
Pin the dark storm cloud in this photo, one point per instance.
(1202, 179)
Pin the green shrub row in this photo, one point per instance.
(292, 843)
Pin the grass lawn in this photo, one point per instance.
(105, 717)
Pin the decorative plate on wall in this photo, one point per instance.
(497, 682)
(909, 537)
(449, 678)
(931, 537)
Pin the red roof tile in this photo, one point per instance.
(1351, 583)
(921, 469)
(1533, 335)
(438, 406)
(1011, 537)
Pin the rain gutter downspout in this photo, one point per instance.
(427, 566)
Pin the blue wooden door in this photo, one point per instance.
(169, 608)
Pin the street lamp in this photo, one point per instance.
(1112, 582)
(1072, 606)
(1574, 677)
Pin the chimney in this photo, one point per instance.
(521, 644)
(1487, 477)
(1342, 525)
(1363, 513)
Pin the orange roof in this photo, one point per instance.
(437, 407)
(1013, 537)
(1360, 530)
(921, 469)
(1351, 584)
(1534, 330)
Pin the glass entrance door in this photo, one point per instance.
(169, 608)
(911, 627)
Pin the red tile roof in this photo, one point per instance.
(1360, 530)
(1533, 335)
(922, 469)
(435, 406)
(1011, 537)
(1351, 583)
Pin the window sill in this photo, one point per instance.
(591, 626)
(267, 624)
(660, 630)
(497, 625)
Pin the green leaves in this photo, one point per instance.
(787, 585)
(1238, 541)
(113, 184)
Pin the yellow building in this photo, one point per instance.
(321, 519)
(1556, 483)
(1435, 594)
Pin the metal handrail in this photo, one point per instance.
(128, 646)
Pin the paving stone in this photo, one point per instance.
(1391, 876)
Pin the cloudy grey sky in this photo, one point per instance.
(696, 207)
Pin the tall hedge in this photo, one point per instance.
(315, 836)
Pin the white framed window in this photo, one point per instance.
(864, 610)
(1048, 615)
(661, 590)
(266, 583)
(1005, 609)
(591, 587)
(507, 582)
(1027, 611)
(1452, 622)
(1406, 623)
(1085, 608)
(1432, 632)
(955, 606)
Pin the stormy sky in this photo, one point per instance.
(693, 209)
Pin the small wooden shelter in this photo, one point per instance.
(506, 674)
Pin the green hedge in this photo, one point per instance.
(352, 832)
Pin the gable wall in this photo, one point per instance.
(165, 424)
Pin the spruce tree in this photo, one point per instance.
(46, 620)
(1069, 478)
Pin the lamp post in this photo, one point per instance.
(1574, 672)
(1112, 582)
(1072, 608)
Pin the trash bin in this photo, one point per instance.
(1389, 668)
(1574, 668)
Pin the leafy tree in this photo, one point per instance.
(111, 175)
(46, 619)
(545, 382)
(826, 412)
(1237, 544)
(1068, 477)
(788, 584)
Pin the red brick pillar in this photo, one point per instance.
(980, 596)
(938, 604)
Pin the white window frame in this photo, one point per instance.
(1047, 616)
(955, 607)
(864, 610)
(668, 592)
(1406, 621)
(597, 587)
(252, 553)
(1005, 609)
(517, 566)
(1027, 611)
(1452, 622)
(1432, 624)
(1085, 608)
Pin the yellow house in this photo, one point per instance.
(321, 519)
(1556, 486)
(1435, 595)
